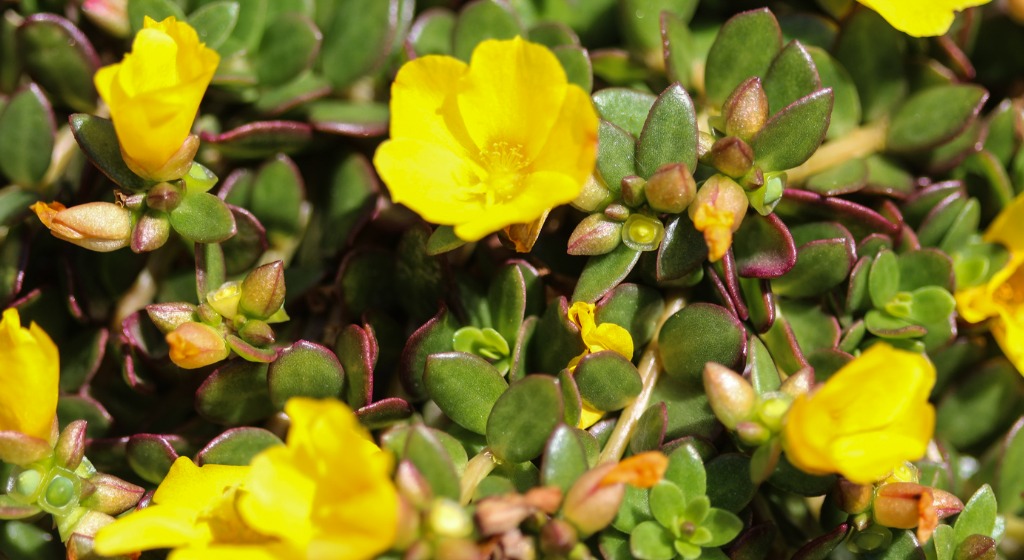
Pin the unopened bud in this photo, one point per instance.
(905, 505)
(853, 498)
(773, 409)
(80, 530)
(752, 433)
(633, 191)
(70, 446)
(800, 383)
(257, 333)
(753, 179)
(976, 547)
(109, 15)
(595, 195)
(408, 525)
(617, 212)
(717, 211)
(704, 142)
(164, 197)
(595, 235)
(746, 109)
(590, 505)
(97, 226)
(671, 189)
(263, 291)
(151, 232)
(412, 486)
(642, 233)
(557, 538)
(194, 345)
(111, 495)
(168, 316)
(731, 156)
(174, 168)
(224, 300)
(731, 396)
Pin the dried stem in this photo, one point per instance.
(477, 469)
(650, 370)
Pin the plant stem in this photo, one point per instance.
(858, 143)
(650, 370)
(477, 469)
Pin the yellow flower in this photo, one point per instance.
(920, 18)
(487, 145)
(29, 374)
(329, 492)
(1002, 298)
(866, 419)
(194, 512)
(326, 494)
(97, 226)
(194, 345)
(154, 94)
(717, 211)
(597, 338)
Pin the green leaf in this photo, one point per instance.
(607, 381)
(432, 33)
(433, 461)
(157, 10)
(681, 53)
(650, 541)
(697, 334)
(669, 134)
(507, 300)
(668, 504)
(358, 40)
(884, 279)
(576, 62)
(465, 387)
(289, 46)
(26, 137)
(98, 140)
(480, 20)
(625, 108)
(728, 482)
(603, 272)
(1010, 478)
(237, 446)
(791, 76)
(640, 22)
(304, 369)
(846, 112)
(682, 251)
(615, 155)
(867, 48)
(215, 21)
(820, 266)
(565, 459)
(794, 133)
(847, 177)
(934, 116)
(745, 47)
(686, 470)
(235, 394)
(203, 218)
(60, 58)
(982, 404)
(357, 351)
(523, 418)
(724, 527)
(978, 516)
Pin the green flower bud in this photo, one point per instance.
(263, 291)
(164, 197)
(617, 212)
(853, 498)
(746, 109)
(111, 495)
(633, 191)
(643, 233)
(151, 232)
(70, 448)
(731, 396)
(595, 235)
(594, 196)
(671, 189)
(168, 316)
(557, 538)
(752, 433)
(257, 333)
(731, 156)
(591, 505)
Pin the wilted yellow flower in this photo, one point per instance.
(194, 512)
(29, 375)
(597, 338)
(490, 144)
(870, 416)
(97, 226)
(329, 492)
(920, 18)
(1002, 298)
(717, 211)
(194, 345)
(154, 94)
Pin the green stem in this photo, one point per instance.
(858, 143)
(650, 371)
(477, 469)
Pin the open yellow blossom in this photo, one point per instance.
(867, 419)
(1002, 298)
(29, 375)
(329, 492)
(97, 226)
(154, 94)
(194, 512)
(490, 144)
(597, 338)
(920, 18)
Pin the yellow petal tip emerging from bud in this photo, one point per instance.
(97, 226)
(194, 345)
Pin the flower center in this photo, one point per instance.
(503, 163)
(1011, 292)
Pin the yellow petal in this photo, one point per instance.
(589, 416)
(423, 105)
(279, 498)
(609, 336)
(869, 457)
(269, 551)
(189, 486)
(153, 527)
(1007, 228)
(920, 18)
(806, 438)
(538, 193)
(513, 93)
(29, 375)
(571, 147)
(582, 314)
(1009, 334)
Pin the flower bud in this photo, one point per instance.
(109, 15)
(591, 505)
(905, 505)
(557, 538)
(800, 383)
(448, 519)
(772, 410)
(731, 396)
(642, 233)
(164, 197)
(704, 142)
(633, 191)
(746, 109)
(111, 495)
(70, 446)
(731, 156)
(173, 168)
(151, 232)
(412, 486)
(97, 226)
(752, 433)
(61, 492)
(617, 212)
(224, 300)
(853, 498)
(168, 316)
(717, 211)
(671, 189)
(194, 345)
(595, 235)
(976, 547)
(263, 291)
(257, 333)
(408, 525)
(595, 195)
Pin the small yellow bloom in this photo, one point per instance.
(717, 211)
(194, 345)
(487, 145)
(866, 419)
(329, 492)
(97, 226)
(597, 338)
(154, 94)
(920, 18)
(194, 512)
(1002, 298)
(29, 374)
